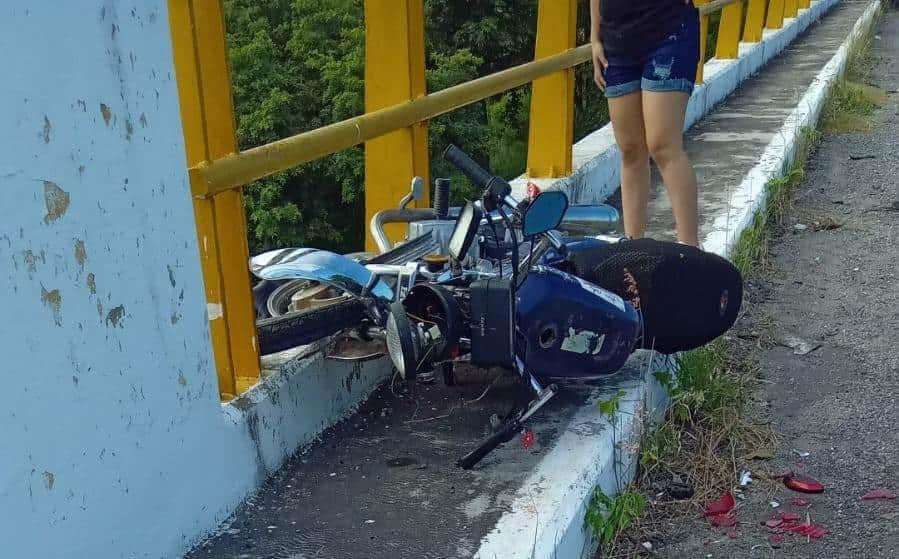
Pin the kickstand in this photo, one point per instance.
(513, 424)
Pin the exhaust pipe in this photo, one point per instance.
(590, 220)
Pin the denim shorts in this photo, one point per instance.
(670, 65)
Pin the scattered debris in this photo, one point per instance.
(527, 439)
(774, 504)
(800, 502)
(826, 224)
(680, 491)
(803, 484)
(647, 546)
(801, 453)
(745, 478)
(879, 495)
(369, 521)
(776, 540)
(790, 522)
(800, 227)
(722, 506)
(798, 345)
(763, 453)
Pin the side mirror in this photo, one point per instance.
(544, 213)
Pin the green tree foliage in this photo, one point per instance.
(297, 65)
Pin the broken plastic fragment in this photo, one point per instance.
(879, 494)
(722, 506)
(745, 478)
(774, 504)
(788, 517)
(774, 522)
(801, 453)
(527, 440)
(803, 484)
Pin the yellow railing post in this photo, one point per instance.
(729, 31)
(775, 17)
(552, 97)
(791, 8)
(804, 4)
(394, 73)
(207, 115)
(703, 39)
(755, 21)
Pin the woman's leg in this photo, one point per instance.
(663, 114)
(627, 124)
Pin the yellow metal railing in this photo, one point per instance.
(393, 129)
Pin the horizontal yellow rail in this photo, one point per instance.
(715, 6)
(238, 169)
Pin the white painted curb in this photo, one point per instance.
(751, 194)
(546, 519)
(596, 158)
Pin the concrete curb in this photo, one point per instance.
(751, 194)
(596, 157)
(546, 519)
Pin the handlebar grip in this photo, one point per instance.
(461, 160)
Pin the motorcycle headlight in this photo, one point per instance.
(402, 342)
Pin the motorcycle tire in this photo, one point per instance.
(296, 329)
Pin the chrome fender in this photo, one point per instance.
(327, 268)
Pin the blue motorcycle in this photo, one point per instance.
(498, 283)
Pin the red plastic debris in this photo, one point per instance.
(800, 503)
(527, 440)
(789, 517)
(724, 520)
(722, 506)
(803, 484)
(533, 190)
(812, 531)
(879, 494)
(774, 522)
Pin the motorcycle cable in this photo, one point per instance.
(508, 223)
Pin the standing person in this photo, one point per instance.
(645, 58)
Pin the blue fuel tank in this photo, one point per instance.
(571, 329)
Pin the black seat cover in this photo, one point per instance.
(687, 297)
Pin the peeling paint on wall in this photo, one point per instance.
(57, 201)
(106, 112)
(53, 300)
(92, 285)
(81, 254)
(48, 128)
(115, 316)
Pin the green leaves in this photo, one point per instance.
(610, 407)
(608, 516)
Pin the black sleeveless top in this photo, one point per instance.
(632, 27)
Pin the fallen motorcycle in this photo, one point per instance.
(498, 284)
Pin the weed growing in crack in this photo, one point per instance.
(609, 516)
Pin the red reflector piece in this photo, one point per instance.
(722, 506)
(803, 484)
(527, 440)
(879, 494)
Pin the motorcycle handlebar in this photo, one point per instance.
(461, 160)
(496, 189)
